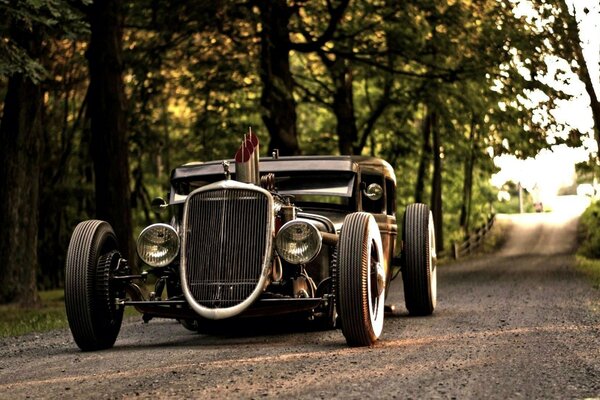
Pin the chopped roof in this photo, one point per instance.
(290, 164)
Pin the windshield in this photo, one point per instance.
(323, 184)
(317, 189)
(310, 189)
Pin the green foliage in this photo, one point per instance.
(193, 85)
(14, 59)
(512, 205)
(589, 234)
(591, 268)
(53, 17)
(49, 315)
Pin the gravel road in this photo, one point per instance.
(521, 323)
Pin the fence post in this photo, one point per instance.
(474, 240)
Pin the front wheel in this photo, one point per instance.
(361, 280)
(419, 272)
(92, 257)
(192, 325)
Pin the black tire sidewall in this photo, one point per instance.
(416, 260)
(93, 321)
(359, 233)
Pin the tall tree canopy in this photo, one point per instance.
(102, 99)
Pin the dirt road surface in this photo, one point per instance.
(521, 323)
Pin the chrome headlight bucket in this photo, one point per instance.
(158, 245)
(298, 242)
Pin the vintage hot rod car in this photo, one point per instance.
(309, 235)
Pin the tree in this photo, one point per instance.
(34, 50)
(109, 145)
(20, 132)
(25, 28)
(571, 49)
(404, 81)
(277, 99)
(357, 34)
(469, 167)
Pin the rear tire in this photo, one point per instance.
(419, 272)
(361, 280)
(92, 257)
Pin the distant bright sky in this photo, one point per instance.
(552, 169)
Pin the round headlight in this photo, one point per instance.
(298, 242)
(158, 245)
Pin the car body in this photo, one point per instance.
(311, 236)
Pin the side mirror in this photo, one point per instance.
(373, 192)
(158, 205)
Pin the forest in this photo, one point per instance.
(99, 100)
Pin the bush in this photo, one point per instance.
(589, 234)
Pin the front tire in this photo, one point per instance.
(92, 257)
(192, 325)
(419, 258)
(361, 280)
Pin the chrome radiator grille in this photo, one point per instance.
(227, 234)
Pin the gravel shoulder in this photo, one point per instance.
(522, 323)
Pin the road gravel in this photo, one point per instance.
(521, 323)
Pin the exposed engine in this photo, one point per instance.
(297, 266)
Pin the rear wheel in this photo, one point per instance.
(361, 280)
(92, 257)
(419, 272)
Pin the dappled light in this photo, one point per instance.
(431, 164)
(130, 90)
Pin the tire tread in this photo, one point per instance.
(85, 304)
(416, 273)
(352, 275)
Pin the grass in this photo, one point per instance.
(588, 254)
(48, 315)
(591, 268)
(15, 321)
(496, 237)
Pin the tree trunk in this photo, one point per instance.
(20, 148)
(109, 147)
(583, 72)
(574, 43)
(436, 184)
(424, 159)
(277, 99)
(343, 106)
(469, 165)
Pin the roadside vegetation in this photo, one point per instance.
(588, 255)
(591, 268)
(437, 88)
(50, 314)
(496, 238)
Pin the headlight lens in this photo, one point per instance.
(158, 245)
(298, 242)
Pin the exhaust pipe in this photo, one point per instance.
(246, 160)
(255, 155)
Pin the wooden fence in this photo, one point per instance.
(473, 241)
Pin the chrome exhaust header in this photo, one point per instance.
(246, 160)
